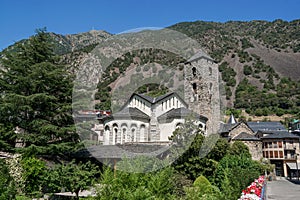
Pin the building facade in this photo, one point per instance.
(201, 89)
(269, 140)
(147, 119)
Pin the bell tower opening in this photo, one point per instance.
(194, 87)
(194, 71)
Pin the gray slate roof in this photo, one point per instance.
(179, 113)
(231, 120)
(245, 136)
(266, 126)
(279, 135)
(225, 128)
(154, 100)
(200, 54)
(129, 112)
(124, 150)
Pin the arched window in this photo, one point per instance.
(132, 134)
(142, 132)
(194, 71)
(179, 125)
(115, 131)
(124, 135)
(106, 134)
(195, 87)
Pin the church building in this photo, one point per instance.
(148, 119)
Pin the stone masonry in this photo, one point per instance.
(201, 89)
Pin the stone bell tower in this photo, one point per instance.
(201, 89)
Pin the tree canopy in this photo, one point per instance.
(36, 96)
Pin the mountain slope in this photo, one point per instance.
(257, 56)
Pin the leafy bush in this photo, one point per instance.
(247, 70)
(234, 173)
(7, 185)
(132, 183)
(202, 189)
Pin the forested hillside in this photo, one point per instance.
(259, 62)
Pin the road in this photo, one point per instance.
(283, 189)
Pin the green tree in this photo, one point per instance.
(34, 173)
(247, 70)
(239, 148)
(220, 150)
(72, 176)
(7, 137)
(36, 96)
(7, 186)
(238, 171)
(202, 189)
(132, 184)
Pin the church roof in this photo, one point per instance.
(266, 126)
(245, 136)
(231, 120)
(123, 150)
(200, 54)
(128, 113)
(225, 128)
(179, 113)
(154, 100)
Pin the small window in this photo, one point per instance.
(280, 154)
(195, 87)
(194, 71)
(267, 154)
(271, 154)
(270, 144)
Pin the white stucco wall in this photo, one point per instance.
(131, 127)
(167, 104)
(141, 104)
(167, 129)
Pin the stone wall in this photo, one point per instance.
(242, 127)
(201, 89)
(255, 148)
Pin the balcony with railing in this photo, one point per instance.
(289, 146)
(290, 157)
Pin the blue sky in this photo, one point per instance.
(19, 18)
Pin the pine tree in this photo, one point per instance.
(36, 96)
